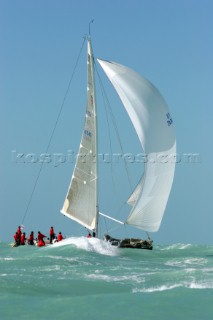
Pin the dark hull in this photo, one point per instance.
(130, 243)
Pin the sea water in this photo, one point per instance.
(82, 278)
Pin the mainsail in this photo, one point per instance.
(151, 119)
(81, 202)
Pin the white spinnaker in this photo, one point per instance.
(150, 116)
(81, 200)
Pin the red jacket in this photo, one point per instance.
(16, 236)
(52, 232)
(23, 238)
(31, 237)
(19, 231)
(60, 237)
(41, 237)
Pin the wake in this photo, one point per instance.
(88, 244)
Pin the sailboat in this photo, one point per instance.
(153, 124)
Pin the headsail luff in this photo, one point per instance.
(150, 116)
(81, 202)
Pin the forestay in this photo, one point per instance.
(150, 116)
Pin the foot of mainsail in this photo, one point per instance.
(130, 243)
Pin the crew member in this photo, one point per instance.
(60, 237)
(19, 233)
(41, 237)
(31, 238)
(17, 239)
(23, 238)
(52, 234)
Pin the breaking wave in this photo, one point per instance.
(88, 244)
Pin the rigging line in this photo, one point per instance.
(121, 206)
(148, 235)
(104, 95)
(116, 129)
(126, 232)
(66, 93)
(107, 118)
(106, 226)
(114, 228)
(54, 128)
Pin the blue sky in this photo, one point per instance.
(168, 42)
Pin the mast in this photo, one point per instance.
(93, 101)
(81, 202)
